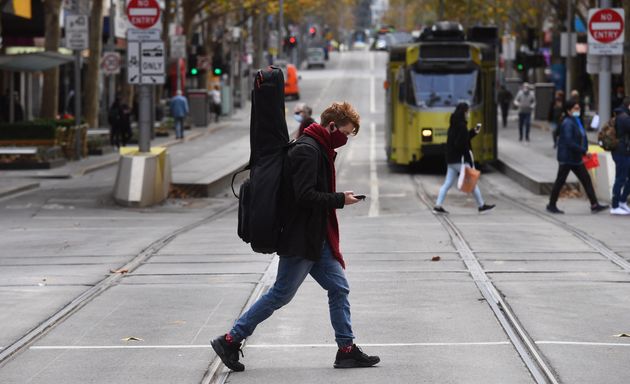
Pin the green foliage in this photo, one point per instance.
(28, 131)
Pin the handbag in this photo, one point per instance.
(468, 176)
(590, 160)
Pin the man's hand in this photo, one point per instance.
(350, 199)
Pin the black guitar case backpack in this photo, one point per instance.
(260, 198)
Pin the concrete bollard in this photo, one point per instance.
(143, 179)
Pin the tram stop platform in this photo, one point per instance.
(533, 164)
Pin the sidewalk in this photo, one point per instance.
(15, 181)
(532, 164)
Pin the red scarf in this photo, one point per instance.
(322, 136)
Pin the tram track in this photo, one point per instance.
(26, 340)
(525, 346)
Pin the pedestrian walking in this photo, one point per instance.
(125, 123)
(458, 151)
(179, 111)
(572, 145)
(114, 120)
(556, 112)
(309, 244)
(621, 156)
(505, 99)
(302, 114)
(215, 102)
(525, 101)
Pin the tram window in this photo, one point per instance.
(439, 89)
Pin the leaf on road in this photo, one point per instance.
(622, 335)
(436, 258)
(132, 338)
(121, 271)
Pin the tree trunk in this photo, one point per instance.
(93, 70)
(50, 91)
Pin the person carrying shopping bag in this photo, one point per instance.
(458, 150)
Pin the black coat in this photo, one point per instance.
(458, 142)
(305, 229)
(572, 142)
(622, 128)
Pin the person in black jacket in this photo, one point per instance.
(309, 242)
(457, 152)
(621, 156)
(572, 145)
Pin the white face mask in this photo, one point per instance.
(575, 113)
(298, 117)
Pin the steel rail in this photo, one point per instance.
(84, 298)
(524, 345)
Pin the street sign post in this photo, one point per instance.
(178, 47)
(605, 31)
(143, 14)
(77, 32)
(110, 63)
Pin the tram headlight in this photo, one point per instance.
(427, 134)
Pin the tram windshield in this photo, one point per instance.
(439, 89)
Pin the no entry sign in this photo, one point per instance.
(143, 14)
(605, 31)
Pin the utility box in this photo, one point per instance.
(199, 105)
(226, 100)
(544, 97)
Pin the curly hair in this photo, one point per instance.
(341, 114)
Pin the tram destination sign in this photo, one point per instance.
(605, 31)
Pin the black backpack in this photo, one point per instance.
(262, 197)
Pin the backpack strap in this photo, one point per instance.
(234, 178)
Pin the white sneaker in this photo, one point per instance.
(619, 211)
(624, 206)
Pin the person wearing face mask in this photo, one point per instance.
(302, 114)
(458, 150)
(572, 145)
(525, 100)
(309, 241)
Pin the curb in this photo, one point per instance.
(20, 188)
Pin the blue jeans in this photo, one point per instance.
(291, 273)
(452, 173)
(524, 120)
(179, 127)
(621, 188)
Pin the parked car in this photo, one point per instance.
(315, 58)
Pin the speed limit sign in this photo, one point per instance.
(110, 63)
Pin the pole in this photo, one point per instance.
(110, 48)
(144, 118)
(570, 47)
(441, 11)
(77, 88)
(280, 28)
(179, 79)
(603, 105)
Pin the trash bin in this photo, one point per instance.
(544, 97)
(199, 108)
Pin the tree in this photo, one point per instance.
(50, 90)
(93, 70)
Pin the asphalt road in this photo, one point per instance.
(563, 280)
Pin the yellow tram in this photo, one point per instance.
(427, 79)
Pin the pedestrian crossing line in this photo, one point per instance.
(367, 345)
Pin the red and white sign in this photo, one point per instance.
(605, 31)
(110, 63)
(143, 14)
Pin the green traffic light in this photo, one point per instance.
(217, 71)
(520, 67)
(194, 71)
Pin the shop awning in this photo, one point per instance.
(33, 62)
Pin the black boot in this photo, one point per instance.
(228, 353)
(354, 359)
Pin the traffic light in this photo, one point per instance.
(193, 70)
(312, 31)
(292, 42)
(218, 64)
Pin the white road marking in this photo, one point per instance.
(270, 346)
(372, 95)
(374, 199)
(583, 343)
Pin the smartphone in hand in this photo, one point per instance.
(478, 127)
(360, 197)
